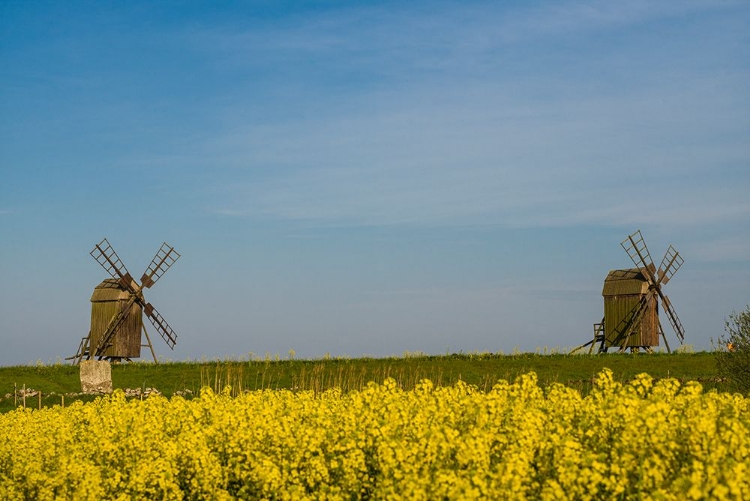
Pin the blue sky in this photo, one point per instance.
(361, 178)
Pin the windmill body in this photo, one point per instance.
(108, 299)
(118, 306)
(623, 292)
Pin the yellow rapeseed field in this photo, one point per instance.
(643, 439)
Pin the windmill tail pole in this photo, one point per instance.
(581, 347)
(664, 337)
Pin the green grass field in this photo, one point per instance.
(482, 370)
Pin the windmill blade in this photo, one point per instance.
(165, 257)
(106, 256)
(636, 248)
(166, 332)
(673, 318)
(669, 265)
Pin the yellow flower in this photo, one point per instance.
(654, 440)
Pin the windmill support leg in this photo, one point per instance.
(661, 331)
(150, 346)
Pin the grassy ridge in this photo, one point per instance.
(482, 370)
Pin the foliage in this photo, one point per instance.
(480, 369)
(733, 362)
(647, 439)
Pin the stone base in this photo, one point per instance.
(96, 377)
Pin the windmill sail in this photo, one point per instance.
(635, 246)
(673, 318)
(106, 256)
(166, 332)
(670, 263)
(165, 257)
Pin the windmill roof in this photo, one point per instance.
(625, 282)
(109, 290)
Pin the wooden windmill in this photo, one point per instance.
(631, 301)
(118, 305)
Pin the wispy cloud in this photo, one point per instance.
(452, 115)
(229, 212)
(492, 161)
(383, 39)
(566, 292)
(574, 17)
(726, 249)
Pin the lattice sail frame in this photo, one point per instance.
(165, 257)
